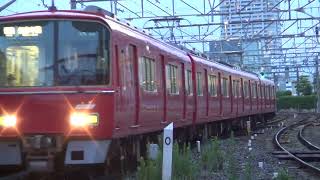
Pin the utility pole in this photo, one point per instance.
(317, 83)
(73, 4)
(298, 93)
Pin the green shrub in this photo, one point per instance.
(150, 169)
(212, 156)
(248, 170)
(283, 175)
(232, 167)
(183, 166)
(297, 102)
(283, 93)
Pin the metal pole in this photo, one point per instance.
(73, 4)
(173, 13)
(298, 93)
(6, 5)
(318, 83)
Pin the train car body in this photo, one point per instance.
(74, 82)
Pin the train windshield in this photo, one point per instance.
(54, 53)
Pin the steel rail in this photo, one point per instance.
(304, 141)
(304, 163)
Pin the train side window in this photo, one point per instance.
(234, 91)
(188, 82)
(253, 90)
(238, 89)
(246, 90)
(172, 76)
(212, 84)
(199, 84)
(225, 87)
(147, 74)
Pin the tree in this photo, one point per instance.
(304, 86)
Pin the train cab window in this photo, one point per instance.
(246, 89)
(199, 84)
(172, 77)
(212, 84)
(188, 82)
(147, 74)
(225, 87)
(54, 53)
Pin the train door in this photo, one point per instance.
(206, 94)
(242, 95)
(189, 93)
(183, 86)
(164, 88)
(220, 93)
(250, 95)
(213, 97)
(231, 95)
(234, 97)
(133, 83)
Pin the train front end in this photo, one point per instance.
(56, 98)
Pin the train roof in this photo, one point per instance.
(125, 27)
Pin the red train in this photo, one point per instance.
(82, 88)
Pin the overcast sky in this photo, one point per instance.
(125, 6)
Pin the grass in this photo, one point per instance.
(231, 167)
(283, 175)
(183, 166)
(212, 156)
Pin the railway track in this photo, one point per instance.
(292, 153)
(304, 140)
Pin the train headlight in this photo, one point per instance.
(8, 121)
(83, 119)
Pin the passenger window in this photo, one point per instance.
(238, 89)
(199, 84)
(147, 74)
(234, 90)
(246, 89)
(188, 81)
(172, 76)
(212, 85)
(225, 87)
(253, 90)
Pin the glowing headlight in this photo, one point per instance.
(8, 120)
(83, 119)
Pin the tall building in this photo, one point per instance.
(254, 23)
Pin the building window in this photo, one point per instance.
(212, 85)
(199, 84)
(172, 76)
(188, 82)
(147, 74)
(225, 87)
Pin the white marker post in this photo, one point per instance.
(167, 152)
